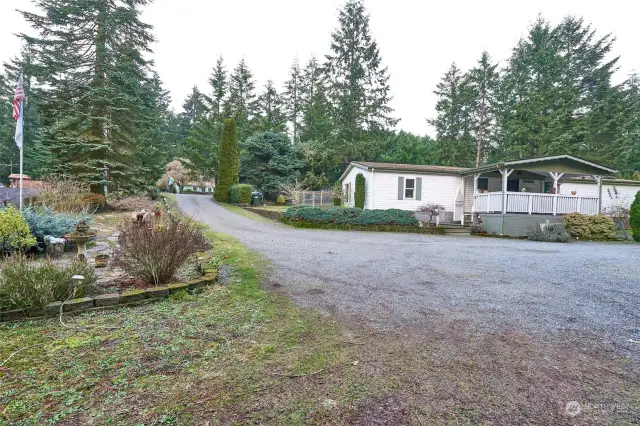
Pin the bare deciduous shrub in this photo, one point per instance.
(293, 191)
(133, 203)
(64, 195)
(431, 209)
(155, 251)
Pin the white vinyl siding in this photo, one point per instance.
(350, 179)
(439, 189)
(626, 193)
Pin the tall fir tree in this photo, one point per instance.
(271, 110)
(292, 100)
(242, 102)
(219, 91)
(453, 122)
(90, 59)
(358, 85)
(316, 123)
(482, 83)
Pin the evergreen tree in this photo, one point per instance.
(89, 56)
(482, 84)
(453, 123)
(242, 101)
(227, 161)
(292, 99)
(316, 124)
(358, 85)
(269, 161)
(220, 91)
(270, 106)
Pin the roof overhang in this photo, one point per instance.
(558, 163)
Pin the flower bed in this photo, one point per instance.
(125, 298)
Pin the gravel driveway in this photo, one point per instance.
(396, 280)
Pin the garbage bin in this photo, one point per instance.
(257, 199)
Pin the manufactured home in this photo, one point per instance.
(509, 197)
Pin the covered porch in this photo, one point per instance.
(528, 192)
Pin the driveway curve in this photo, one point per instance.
(392, 280)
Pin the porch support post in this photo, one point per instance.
(463, 198)
(475, 191)
(598, 179)
(556, 177)
(505, 176)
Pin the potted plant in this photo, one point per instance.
(102, 260)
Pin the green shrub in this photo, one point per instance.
(227, 161)
(354, 216)
(95, 202)
(337, 202)
(43, 222)
(597, 227)
(14, 231)
(281, 200)
(358, 197)
(553, 233)
(634, 217)
(25, 283)
(241, 193)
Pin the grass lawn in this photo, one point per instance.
(232, 354)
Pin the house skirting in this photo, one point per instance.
(515, 224)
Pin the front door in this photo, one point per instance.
(513, 185)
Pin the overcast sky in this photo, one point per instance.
(418, 39)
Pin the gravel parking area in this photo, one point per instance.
(393, 281)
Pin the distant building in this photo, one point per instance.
(198, 187)
(27, 182)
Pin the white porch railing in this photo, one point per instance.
(528, 202)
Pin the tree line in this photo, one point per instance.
(95, 101)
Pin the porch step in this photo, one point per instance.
(455, 229)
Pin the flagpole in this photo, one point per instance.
(21, 154)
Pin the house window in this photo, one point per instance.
(483, 184)
(347, 192)
(409, 188)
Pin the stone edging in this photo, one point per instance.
(108, 301)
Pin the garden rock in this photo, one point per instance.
(132, 296)
(12, 315)
(53, 308)
(107, 299)
(155, 292)
(77, 304)
(176, 287)
(37, 312)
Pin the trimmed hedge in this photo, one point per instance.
(434, 230)
(634, 217)
(227, 161)
(358, 197)
(241, 193)
(353, 216)
(598, 227)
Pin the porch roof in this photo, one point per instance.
(557, 163)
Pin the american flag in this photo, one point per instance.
(18, 98)
(18, 113)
